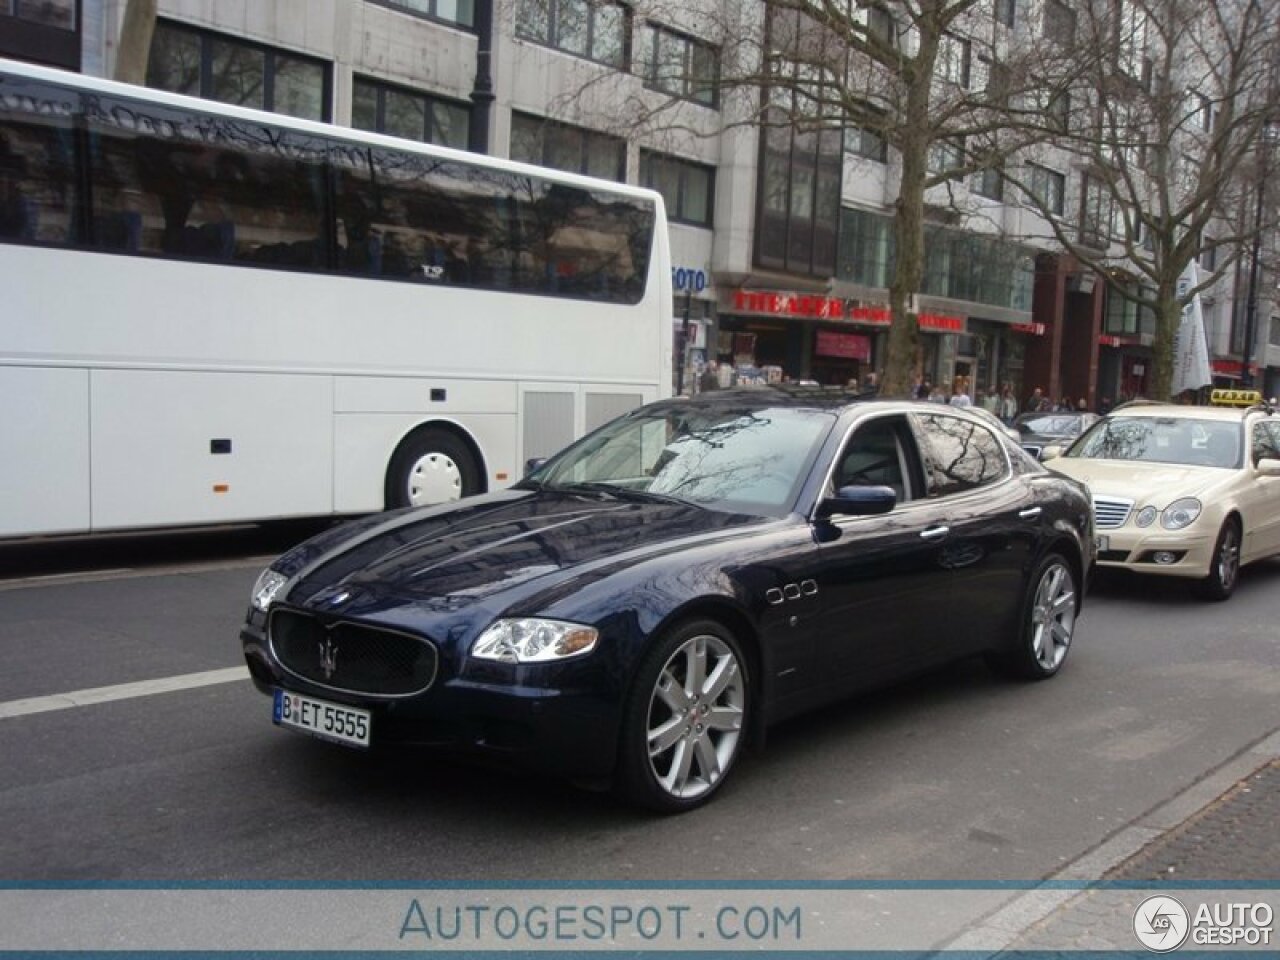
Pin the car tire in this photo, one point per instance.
(686, 719)
(1046, 622)
(1224, 568)
(429, 467)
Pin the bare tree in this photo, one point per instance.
(1169, 142)
(946, 85)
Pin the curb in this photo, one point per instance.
(1005, 925)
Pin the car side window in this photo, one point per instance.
(959, 455)
(1266, 440)
(878, 455)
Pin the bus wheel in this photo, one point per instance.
(432, 466)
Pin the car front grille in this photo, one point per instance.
(1110, 512)
(342, 655)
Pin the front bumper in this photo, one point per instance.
(1131, 548)
(571, 733)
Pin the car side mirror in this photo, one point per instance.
(532, 464)
(858, 502)
(1269, 467)
(1052, 452)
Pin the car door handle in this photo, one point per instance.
(1030, 513)
(934, 533)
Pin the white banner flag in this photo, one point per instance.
(1190, 350)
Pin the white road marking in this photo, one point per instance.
(120, 691)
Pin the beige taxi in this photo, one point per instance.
(1181, 491)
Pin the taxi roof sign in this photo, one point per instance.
(1235, 398)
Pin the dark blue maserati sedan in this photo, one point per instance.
(648, 601)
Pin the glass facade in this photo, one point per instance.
(564, 147)
(384, 108)
(958, 265)
(218, 67)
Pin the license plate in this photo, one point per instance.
(331, 721)
(1102, 542)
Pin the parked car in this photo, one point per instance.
(1039, 430)
(665, 588)
(1182, 491)
(993, 421)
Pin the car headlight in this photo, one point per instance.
(1146, 516)
(267, 586)
(531, 640)
(1180, 513)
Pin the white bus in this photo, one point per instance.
(210, 314)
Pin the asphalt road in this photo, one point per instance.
(956, 776)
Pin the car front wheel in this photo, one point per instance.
(1048, 622)
(1224, 569)
(686, 719)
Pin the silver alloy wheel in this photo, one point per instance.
(695, 716)
(1053, 616)
(1227, 559)
(434, 478)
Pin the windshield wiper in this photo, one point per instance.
(621, 493)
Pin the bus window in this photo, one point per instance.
(38, 193)
(204, 188)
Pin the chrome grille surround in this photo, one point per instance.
(368, 660)
(1110, 512)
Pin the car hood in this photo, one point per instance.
(447, 558)
(1138, 480)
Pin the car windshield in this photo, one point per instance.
(1180, 440)
(739, 459)
(1051, 424)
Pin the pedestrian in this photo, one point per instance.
(1035, 402)
(1008, 408)
(960, 396)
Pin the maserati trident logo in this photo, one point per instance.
(328, 658)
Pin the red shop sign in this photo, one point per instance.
(850, 346)
(779, 304)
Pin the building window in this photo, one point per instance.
(551, 144)
(1131, 40)
(60, 14)
(1006, 11)
(1059, 22)
(41, 31)
(880, 23)
(461, 12)
(1096, 208)
(801, 165)
(954, 60)
(596, 31)
(1275, 331)
(1048, 187)
(398, 112)
(946, 157)
(866, 143)
(1057, 111)
(1123, 314)
(1203, 108)
(679, 65)
(1208, 255)
(687, 188)
(989, 184)
(230, 70)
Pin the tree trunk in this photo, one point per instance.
(1168, 319)
(908, 222)
(135, 41)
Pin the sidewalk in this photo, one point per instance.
(1223, 832)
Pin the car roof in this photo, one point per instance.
(1181, 411)
(799, 396)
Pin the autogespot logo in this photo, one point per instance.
(1161, 923)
